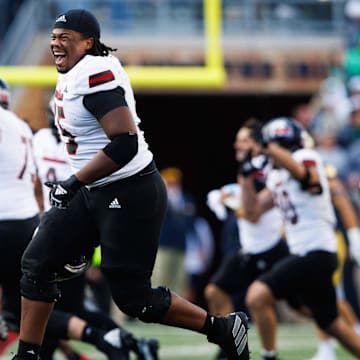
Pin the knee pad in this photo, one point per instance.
(157, 306)
(136, 298)
(37, 289)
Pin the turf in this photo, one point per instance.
(295, 342)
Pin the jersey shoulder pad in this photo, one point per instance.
(97, 73)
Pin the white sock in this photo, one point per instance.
(357, 328)
(325, 350)
(267, 353)
(327, 344)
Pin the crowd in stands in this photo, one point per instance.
(8, 10)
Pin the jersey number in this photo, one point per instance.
(71, 144)
(23, 168)
(287, 207)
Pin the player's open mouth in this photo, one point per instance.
(59, 58)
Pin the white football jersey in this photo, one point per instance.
(17, 195)
(309, 219)
(51, 160)
(79, 129)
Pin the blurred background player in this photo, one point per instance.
(348, 238)
(19, 211)
(299, 187)
(261, 242)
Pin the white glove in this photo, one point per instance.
(231, 196)
(214, 203)
(353, 235)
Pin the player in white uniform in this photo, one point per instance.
(261, 244)
(300, 189)
(51, 160)
(115, 198)
(70, 315)
(19, 211)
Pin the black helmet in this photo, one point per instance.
(284, 131)
(4, 94)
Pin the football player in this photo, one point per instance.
(19, 211)
(261, 242)
(71, 319)
(115, 198)
(300, 189)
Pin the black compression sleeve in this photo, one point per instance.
(122, 148)
(102, 102)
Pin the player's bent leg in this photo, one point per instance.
(345, 334)
(260, 301)
(136, 298)
(219, 302)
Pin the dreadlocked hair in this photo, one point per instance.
(100, 49)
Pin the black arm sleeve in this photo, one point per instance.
(102, 102)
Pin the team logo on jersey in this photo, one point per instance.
(115, 204)
(101, 78)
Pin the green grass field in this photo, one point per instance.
(296, 342)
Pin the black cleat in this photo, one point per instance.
(231, 336)
(114, 344)
(146, 349)
(221, 355)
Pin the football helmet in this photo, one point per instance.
(4, 94)
(284, 131)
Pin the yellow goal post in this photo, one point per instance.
(211, 75)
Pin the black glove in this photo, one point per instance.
(258, 136)
(62, 192)
(250, 165)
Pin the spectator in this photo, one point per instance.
(179, 220)
(325, 135)
(352, 28)
(198, 258)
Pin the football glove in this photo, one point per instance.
(251, 165)
(61, 192)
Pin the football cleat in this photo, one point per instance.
(221, 355)
(146, 349)
(114, 344)
(231, 336)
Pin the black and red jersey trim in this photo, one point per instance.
(101, 78)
